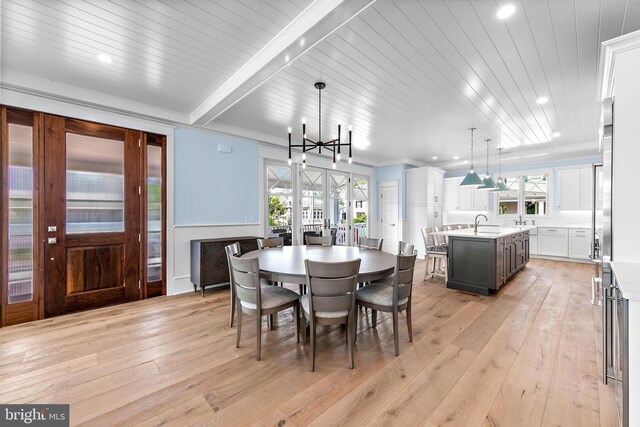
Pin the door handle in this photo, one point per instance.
(392, 225)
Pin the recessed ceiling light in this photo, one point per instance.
(302, 41)
(104, 58)
(555, 134)
(435, 157)
(456, 157)
(506, 11)
(286, 58)
(466, 162)
(542, 100)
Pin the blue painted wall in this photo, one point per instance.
(390, 173)
(213, 187)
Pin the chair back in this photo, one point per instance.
(332, 285)
(403, 277)
(440, 240)
(405, 248)
(273, 242)
(450, 227)
(319, 240)
(461, 226)
(369, 243)
(427, 237)
(246, 279)
(232, 250)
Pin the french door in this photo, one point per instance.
(314, 200)
(83, 208)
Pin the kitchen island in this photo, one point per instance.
(480, 262)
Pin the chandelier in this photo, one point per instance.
(307, 144)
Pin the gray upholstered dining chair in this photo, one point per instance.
(370, 243)
(433, 250)
(273, 242)
(391, 299)
(260, 300)
(331, 299)
(319, 240)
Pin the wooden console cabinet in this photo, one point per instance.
(209, 261)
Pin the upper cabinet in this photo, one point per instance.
(574, 189)
(424, 186)
(464, 198)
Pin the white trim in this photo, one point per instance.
(240, 224)
(606, 66)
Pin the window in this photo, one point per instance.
(526, 195)
(535, 194)
(360, 193)
(154, 213)
(20, 214)
(95, 184)
(280, 197)
(508, 201)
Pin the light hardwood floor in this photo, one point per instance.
(528, 356)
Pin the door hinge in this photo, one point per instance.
(139, 286)
(139, 142)
(139, 190)
(139, 237)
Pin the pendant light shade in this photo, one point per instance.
(472, 179)
(488, 182)
(500, 184)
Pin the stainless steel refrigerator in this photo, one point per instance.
(605, 291)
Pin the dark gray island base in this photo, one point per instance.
(482, 262)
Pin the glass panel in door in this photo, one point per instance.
(154, 213)
(338, 206)
(20, 253)
(312, 200)
(360, 207)
(279, 201)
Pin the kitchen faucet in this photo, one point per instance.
(475, 225)
(520, 222)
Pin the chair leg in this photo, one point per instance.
(409, 326)
(296, 311)
(270, 322)
(426, 267)
(350, 339)
(396, 343)
(374, 318)
(239, 324)
(355, 326)
(312, 338)
(258, 335)
(233, 304)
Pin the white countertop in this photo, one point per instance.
(628, 277)
(486, 232)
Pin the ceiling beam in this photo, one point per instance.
(314, 24)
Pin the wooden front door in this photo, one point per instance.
(91, 215)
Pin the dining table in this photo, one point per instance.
(286, 264)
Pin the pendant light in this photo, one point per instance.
(472, 179)
(488, 183)
(501, 183)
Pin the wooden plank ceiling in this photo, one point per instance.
(409, 76)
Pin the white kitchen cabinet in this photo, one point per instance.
(424, 201)
(586, 189)
(465, 195)
(574, 189)
(568, 186)
(579, 243)
(451, 200)
(480, 200)
(553, 241)
(533, 245)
